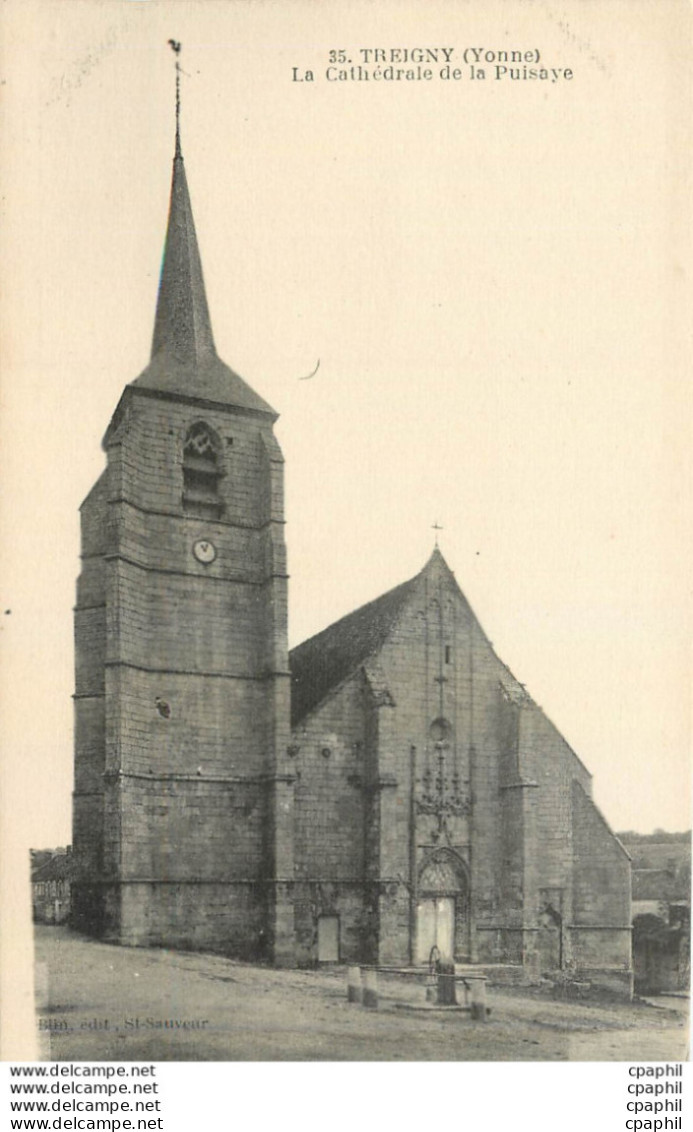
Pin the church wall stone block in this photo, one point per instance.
(89, 740)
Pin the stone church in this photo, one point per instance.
(386, 788)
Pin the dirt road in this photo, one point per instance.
(113, 1003)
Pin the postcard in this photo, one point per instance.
(346, 527)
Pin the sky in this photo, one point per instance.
(492, 274)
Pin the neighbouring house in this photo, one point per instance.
(661, 864)
(51, 882)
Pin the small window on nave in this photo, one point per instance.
(202, 472)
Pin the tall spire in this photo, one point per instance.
(184, 361)
(182, 325)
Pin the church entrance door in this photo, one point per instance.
(435, 927)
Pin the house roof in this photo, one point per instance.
(40, 857)
(649, 852)
(658, 884)
(57, 867)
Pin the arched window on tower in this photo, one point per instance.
(202, 472)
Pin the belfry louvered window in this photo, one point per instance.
(202, 472)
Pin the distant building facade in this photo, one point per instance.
(387, 789)
(51, 883)
(661, 884)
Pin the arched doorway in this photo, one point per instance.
(442, 907)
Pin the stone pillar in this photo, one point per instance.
(282, 936)
(370, 988)
(354, 987)
(530, 886)
(394, 909)
(478, 1000)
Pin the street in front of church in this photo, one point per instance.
(102, 1002)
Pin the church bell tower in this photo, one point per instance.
(183, 821)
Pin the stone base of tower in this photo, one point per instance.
(227, 918)
(87, 909)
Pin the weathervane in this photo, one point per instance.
(437, 527)
(175, 46)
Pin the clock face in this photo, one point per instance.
(204, 551)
